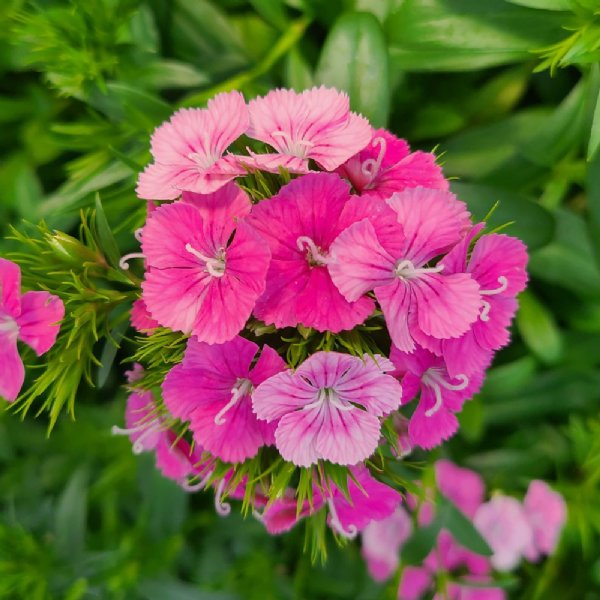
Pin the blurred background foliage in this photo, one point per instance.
(506, 91)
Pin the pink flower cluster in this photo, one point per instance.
(33, 317)
(366, 232)
(514, 531)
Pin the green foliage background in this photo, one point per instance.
(506, 90)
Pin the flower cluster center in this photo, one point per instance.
(215, 266)
(405, 269)
(293, 147)
(315, 255)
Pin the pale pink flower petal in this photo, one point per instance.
(188, 149)
(315, 124)
(143, 427)
(546, 512)
(464, 487)
(414, 582)
(381, 543)
(39, 321)
(504, 525)
(12, 371)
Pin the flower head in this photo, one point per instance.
(416, 299)
(315, 124)
(329, 408)
(188, 149)
(463, 487)
(33, 318)
(212, 390)
(205, 265)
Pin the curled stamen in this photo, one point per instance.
(123, 262)
(484, 315)
(315, 254)
(222, 508)
(196, 487)
(370, 167)
(438, 399)
(215, 266)
(336, 525)
(407, 270)
(258, 516)
(434, 379)
(145, 429)
(240, 389)
(137, 234)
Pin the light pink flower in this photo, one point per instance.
(381, 543)
(474, 592)
(329, 408)
(441, 395)
(416, 297)
(205, 265)
(386, 165)
(299, 224)
(33, 318)
(212, 387)
(315, 124)
(504, 525)
(546, 512)
(188, 150)
(414, 582)
(465, 488)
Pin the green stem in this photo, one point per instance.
(285, 43)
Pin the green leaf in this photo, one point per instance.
(594, 142)
(462, 528)
(106, 239)
(109, 352)
(538, 329)
(420, 543)
(355, 59)
(457, 35)
(272, 11)
(297, 72)
(71, 517)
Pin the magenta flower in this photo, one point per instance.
(33, 318)
(205, 266)
(212, 388)
(329, 408)
(441, 395)
(387, 165)
(465, 488)
(299, 224)
(416, 297)
(504, 525)
(381, 543)
(140, 318)
(188, 149)
(546, 512)
(315, 124)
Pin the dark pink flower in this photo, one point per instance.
(205, 265)
(329, 408)
(33, 318)
(141, 319)
(212, 390)
(386, 165)
(188, 150)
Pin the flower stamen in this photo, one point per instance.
(434, 379)
(371, 166)
(336, 525)
(243, 387)
(405, 269)
(222, 508)
(298, 148)
(124, 264)
(215, 266)
(315, 255)
(485, 305)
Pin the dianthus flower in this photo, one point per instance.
(329, 408)
(315, 124)
(386, 165)
(416, 299)
(188, 149)
(299, 224)
(205, 265)
(212, 390)
(33, 318)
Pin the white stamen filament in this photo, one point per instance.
(407, 270)
(242, 388)
(123, 263)
(370, 168)
(146, 428)
(137, 234)
(315, 254)
(196, 487)
(337, 526)
(329, 396)
(222, 508)
(434, 379)
(204, 161)
(292, 147)
(485, 305)
(215, 266)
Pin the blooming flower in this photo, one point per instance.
(188, 149)
(329, 408)
(546, 512)
(441, 395)
(386, 165)
(504, 525)
(299, 224)
(315, 124)
(140, 318)
(416, 299)
(212, 387)
(204, 269)
(463, 487)
(32, 317)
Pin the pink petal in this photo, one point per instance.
(268, 365)
(165, 182)
(464, 487)
(428, 432)
(464, 355)
(546, 512)
(274, 162)
(10, 288)
(141, 319)
(397, 301)
(295, 437)
(39, 321)
(174, 458)
(456, 260)
(140, 418)
(446, 305)
(359, 262)
(432, 221)
(12, 372)
(414, 582)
